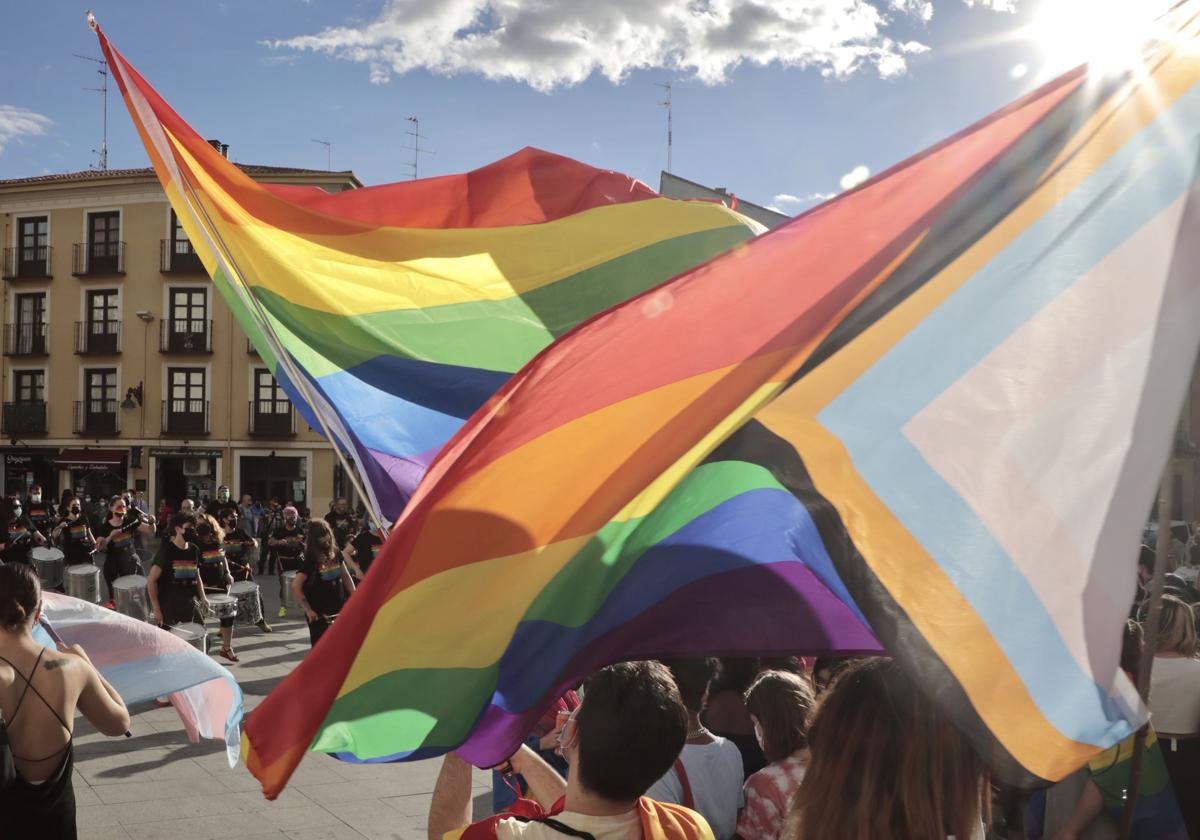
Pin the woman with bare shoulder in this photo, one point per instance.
(40, 691)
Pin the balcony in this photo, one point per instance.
(272, 418)
(185, 336)
(27, 263)
(177, 256)
(185, 418)
(98, 259)
(97, 338)
(26, 339)
(97, 418)
(24, 418)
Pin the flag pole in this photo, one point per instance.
(1150, 639)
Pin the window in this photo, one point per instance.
(104, 242)
(189, 310)
(269, 398)
(100, 391)
(29, 386)
(33, 237)
(187, 390)
(180, 244)
(103, 321)
(30, 337)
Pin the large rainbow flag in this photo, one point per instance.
(390, 314)
(936, 406)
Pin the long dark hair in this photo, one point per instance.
(20, 592)
(318, 541)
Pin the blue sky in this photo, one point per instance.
(770, 98)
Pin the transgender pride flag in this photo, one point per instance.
(143, 662)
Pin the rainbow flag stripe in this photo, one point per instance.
(183, 571)
(330, 571)
(400, 309)
(863, 419)
(212, 556)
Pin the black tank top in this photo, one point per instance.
(45, 810)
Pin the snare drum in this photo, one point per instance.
(249, 606)
(289, 597)
(49, 563)
(221, 605)
(194, 634)
(83, 582)
(132, 599)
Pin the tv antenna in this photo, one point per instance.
(666, 103)
(328, 153)
(415, 148)
(102, 70)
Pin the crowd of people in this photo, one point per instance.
(193, 554)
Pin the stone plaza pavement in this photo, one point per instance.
(157, 786)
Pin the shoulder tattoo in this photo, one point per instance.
(52, 664)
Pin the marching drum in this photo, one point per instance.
(289, 598)
(49, 564)
(221, 605)
(194, 634)
(132, 599)
(83, 582)
(249, 610)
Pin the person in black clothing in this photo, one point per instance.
(174, 579)
(115, 538)
(74, 533)
(287, 541)
(41, 514)
(40, 692)
(323, 583)
(215, 574)
(237, 545)
(341, 522)
(19, 535)
(223, 503)
(366, 548)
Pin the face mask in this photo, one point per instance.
(223, 496)
(16, 510)
(75, 509)
(35, 498)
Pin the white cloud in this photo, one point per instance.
(16, 123)
(854, 177)
(994, 5)
(547, 45)
(788, 198)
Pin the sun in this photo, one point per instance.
(1109, 35)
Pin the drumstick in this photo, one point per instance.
(57, 639)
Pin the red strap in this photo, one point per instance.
(688, 801)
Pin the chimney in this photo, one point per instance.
(223, 148)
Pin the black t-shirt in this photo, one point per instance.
(41, 514)
(216, 509)
(120, 541)
(180, 567)
(77, 541)
(237, 542)
(342, 525)
(212, 564)
(294, 547)
(323, 584)
(18, 540)
(366, 549)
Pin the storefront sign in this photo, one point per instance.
(186, 453)
(28, 457)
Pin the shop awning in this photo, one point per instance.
(90, 459)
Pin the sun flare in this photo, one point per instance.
(1109, 35)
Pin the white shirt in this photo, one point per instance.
(715, 774)
(627, 826)
(1175, 695)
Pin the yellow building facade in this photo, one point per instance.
(122, 365)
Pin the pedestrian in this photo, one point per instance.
(75, 533)
(625, 735)
(341, 522)
(41, 513)
(287, 541)
(366, 547)
(708, 774)
(886, 765)
(115, 538)
(224, 502)
(780, 704)
(238, 546)
(1175, 703)
(215, 576)
(19, 535)
(271, 518)
(323, 583)
(726, 714)
(40, 692)
(174, 579)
